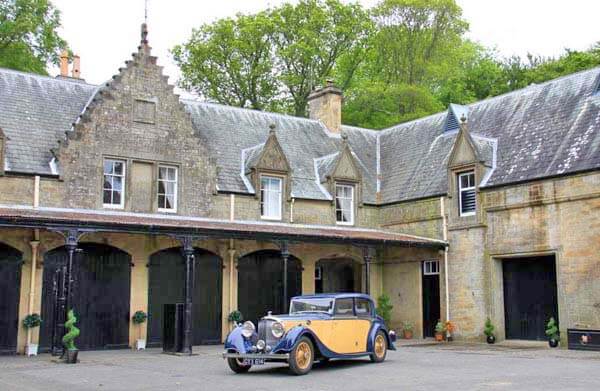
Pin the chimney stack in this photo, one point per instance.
(325, 104)
(76, 72)
(64, 64)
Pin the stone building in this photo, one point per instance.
(144, 198)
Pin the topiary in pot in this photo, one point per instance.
(488, 330)
(235, 317)
(384, 308)
(439, 331)
(31, 321)
(138, 318)
(552, 333)
(69, 338)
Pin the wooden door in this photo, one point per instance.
(431, 297)
(10, 282)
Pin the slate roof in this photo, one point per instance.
(542, 130)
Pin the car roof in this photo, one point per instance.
(334, 296)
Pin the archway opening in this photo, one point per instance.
(260, 283)
(100, 296)
(166, 285)
(10, 283)
(338, 275)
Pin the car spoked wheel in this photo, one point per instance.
(302, 357)
(379, 347)
(237, 365)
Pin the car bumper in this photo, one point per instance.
(265, 356)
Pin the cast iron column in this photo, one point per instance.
(368, 257)
(188, 253)
(71, 245)
(285, 256)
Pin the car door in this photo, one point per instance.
(364, 311)
(348, 331)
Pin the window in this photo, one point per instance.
(270, 197)
(344, 307)
(344, 204)
(318, 273)
(167, 189)
(113, 188)
(466, 193)
(431, 268)
(363, 308)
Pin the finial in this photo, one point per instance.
(463, 118)
(344, 137)
(145, 11)
(144, 33)
(272, 129)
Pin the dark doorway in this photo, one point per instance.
(337, 275)
(530, 297)
(167, 286)
(431, 296)
(101, 295)
(260, 283)
(10, 283)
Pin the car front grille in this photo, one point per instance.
(264, 332)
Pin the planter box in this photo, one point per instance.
(31, 350)
(140, 344)
(582, 339)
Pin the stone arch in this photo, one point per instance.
(260, 283)
(11, 260)
(166, 285)
(338, 275)
(100, 296)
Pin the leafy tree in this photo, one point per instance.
(28, 35)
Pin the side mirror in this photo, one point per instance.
(392, 335)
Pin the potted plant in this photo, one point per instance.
(69, 338)
(439, 331)
(31, 321)
(407, 330)
(449, 330)
(384, 308)
(235, 317)
(488, 330)
(552, 333)
(138, 318)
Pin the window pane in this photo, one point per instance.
(467, 201)
(161, 201)
(363, 308)
(344, 307)
(172, 174)
(170, 188)
(161, 187)
(162, 173)
(108, 167)
(117, 183)
(118, 168)
(116, 198)
(106, 196)
(170, 202)
(107, 182)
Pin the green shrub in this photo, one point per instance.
(235, 316)
(552, 329)
(139, 317)
(489, 328)
(439, 327)
(384, 308)
(407, 326)
(32, 320)
(73, 332)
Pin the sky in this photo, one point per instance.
(105, 32)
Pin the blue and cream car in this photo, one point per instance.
(318, 328)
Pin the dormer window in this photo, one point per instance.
(113, 189)
(271, 189)
(466, 193)
(344, 204)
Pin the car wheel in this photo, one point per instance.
(379, 347)
(236, 365)
(302, 357)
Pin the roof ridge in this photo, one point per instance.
(48, 77)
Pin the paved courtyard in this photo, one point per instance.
(420, 367)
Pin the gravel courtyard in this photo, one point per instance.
(416, 367)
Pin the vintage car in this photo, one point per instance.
(318, 328)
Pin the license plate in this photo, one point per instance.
(254, 361)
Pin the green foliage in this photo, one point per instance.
(407, 326)
(139, 317)
(32, 320)
(439, 327)
(489, 328)
(552, 329)
(28, 35)
(384, 308)
(236, 316)
(68, 339)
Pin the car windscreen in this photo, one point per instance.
(311, 305)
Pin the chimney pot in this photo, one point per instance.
(76, 72)
(64, 63)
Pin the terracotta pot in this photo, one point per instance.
(408, 334)
(439, 337)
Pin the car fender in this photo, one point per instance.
(236, 343)
(375, 327)
(292, 336)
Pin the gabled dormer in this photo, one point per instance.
(2, 151)
(455, 113)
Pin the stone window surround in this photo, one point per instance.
(460, 189)
(123, 177)
(281, 179)
(353, 202)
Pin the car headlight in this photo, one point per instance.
(248, 329)
(277, 330)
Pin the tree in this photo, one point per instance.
(230, 61)
(28, 35)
